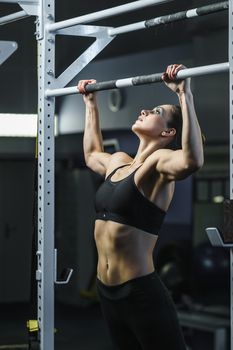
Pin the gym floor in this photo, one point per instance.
(78, 328)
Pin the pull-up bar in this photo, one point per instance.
(141, 80)
(135, 5)
(178, 16)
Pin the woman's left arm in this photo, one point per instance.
(181, 163)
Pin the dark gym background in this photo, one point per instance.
(196, 274)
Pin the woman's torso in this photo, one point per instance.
(126, 252)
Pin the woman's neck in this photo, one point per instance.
(145, 149)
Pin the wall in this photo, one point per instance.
(16, 208)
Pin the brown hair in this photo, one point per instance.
(175, 121)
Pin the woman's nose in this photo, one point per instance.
(144, 112)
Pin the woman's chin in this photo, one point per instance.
(134, 128)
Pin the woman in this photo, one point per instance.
(131, 205)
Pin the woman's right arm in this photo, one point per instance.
(95, 157)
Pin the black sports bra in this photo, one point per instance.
(121, 201)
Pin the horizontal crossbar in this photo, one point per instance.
(13, 17)
(141, 80)
(113, 11)
(178, 16)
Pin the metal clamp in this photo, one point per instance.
(215, 238)
(65, 275)
(223, 238)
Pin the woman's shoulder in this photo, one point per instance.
(158, 154)
(118, 158)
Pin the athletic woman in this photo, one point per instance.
(130, 208)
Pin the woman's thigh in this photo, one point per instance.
(121, 335)
(152, 316)
(141, 315)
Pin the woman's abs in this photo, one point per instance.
(124, 252)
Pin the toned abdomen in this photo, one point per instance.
(124, 252)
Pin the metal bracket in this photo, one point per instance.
(7, 48)
(65, 275)
(38, 275)
(225, 237)
(30, 6)
(40, 22)
(102, 40)
(38, 272)
(215, 238)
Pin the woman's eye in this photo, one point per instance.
(157, 111)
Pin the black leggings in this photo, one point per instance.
(141, 315)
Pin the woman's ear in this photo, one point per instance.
(172, 132)
(169, 132)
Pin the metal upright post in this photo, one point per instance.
(230, 52)
(225, 239)
(46, 107)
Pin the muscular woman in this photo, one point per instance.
(130, 208)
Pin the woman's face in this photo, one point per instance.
(152, 122)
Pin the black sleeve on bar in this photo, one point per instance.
(205, 10)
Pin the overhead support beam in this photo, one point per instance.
(141, 80)
(175, 17)
(13, 17)
(113, 11)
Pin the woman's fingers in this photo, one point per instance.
(178, 68)
(82, 85)
(169, 69)
(172, 70)
(168, 73)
